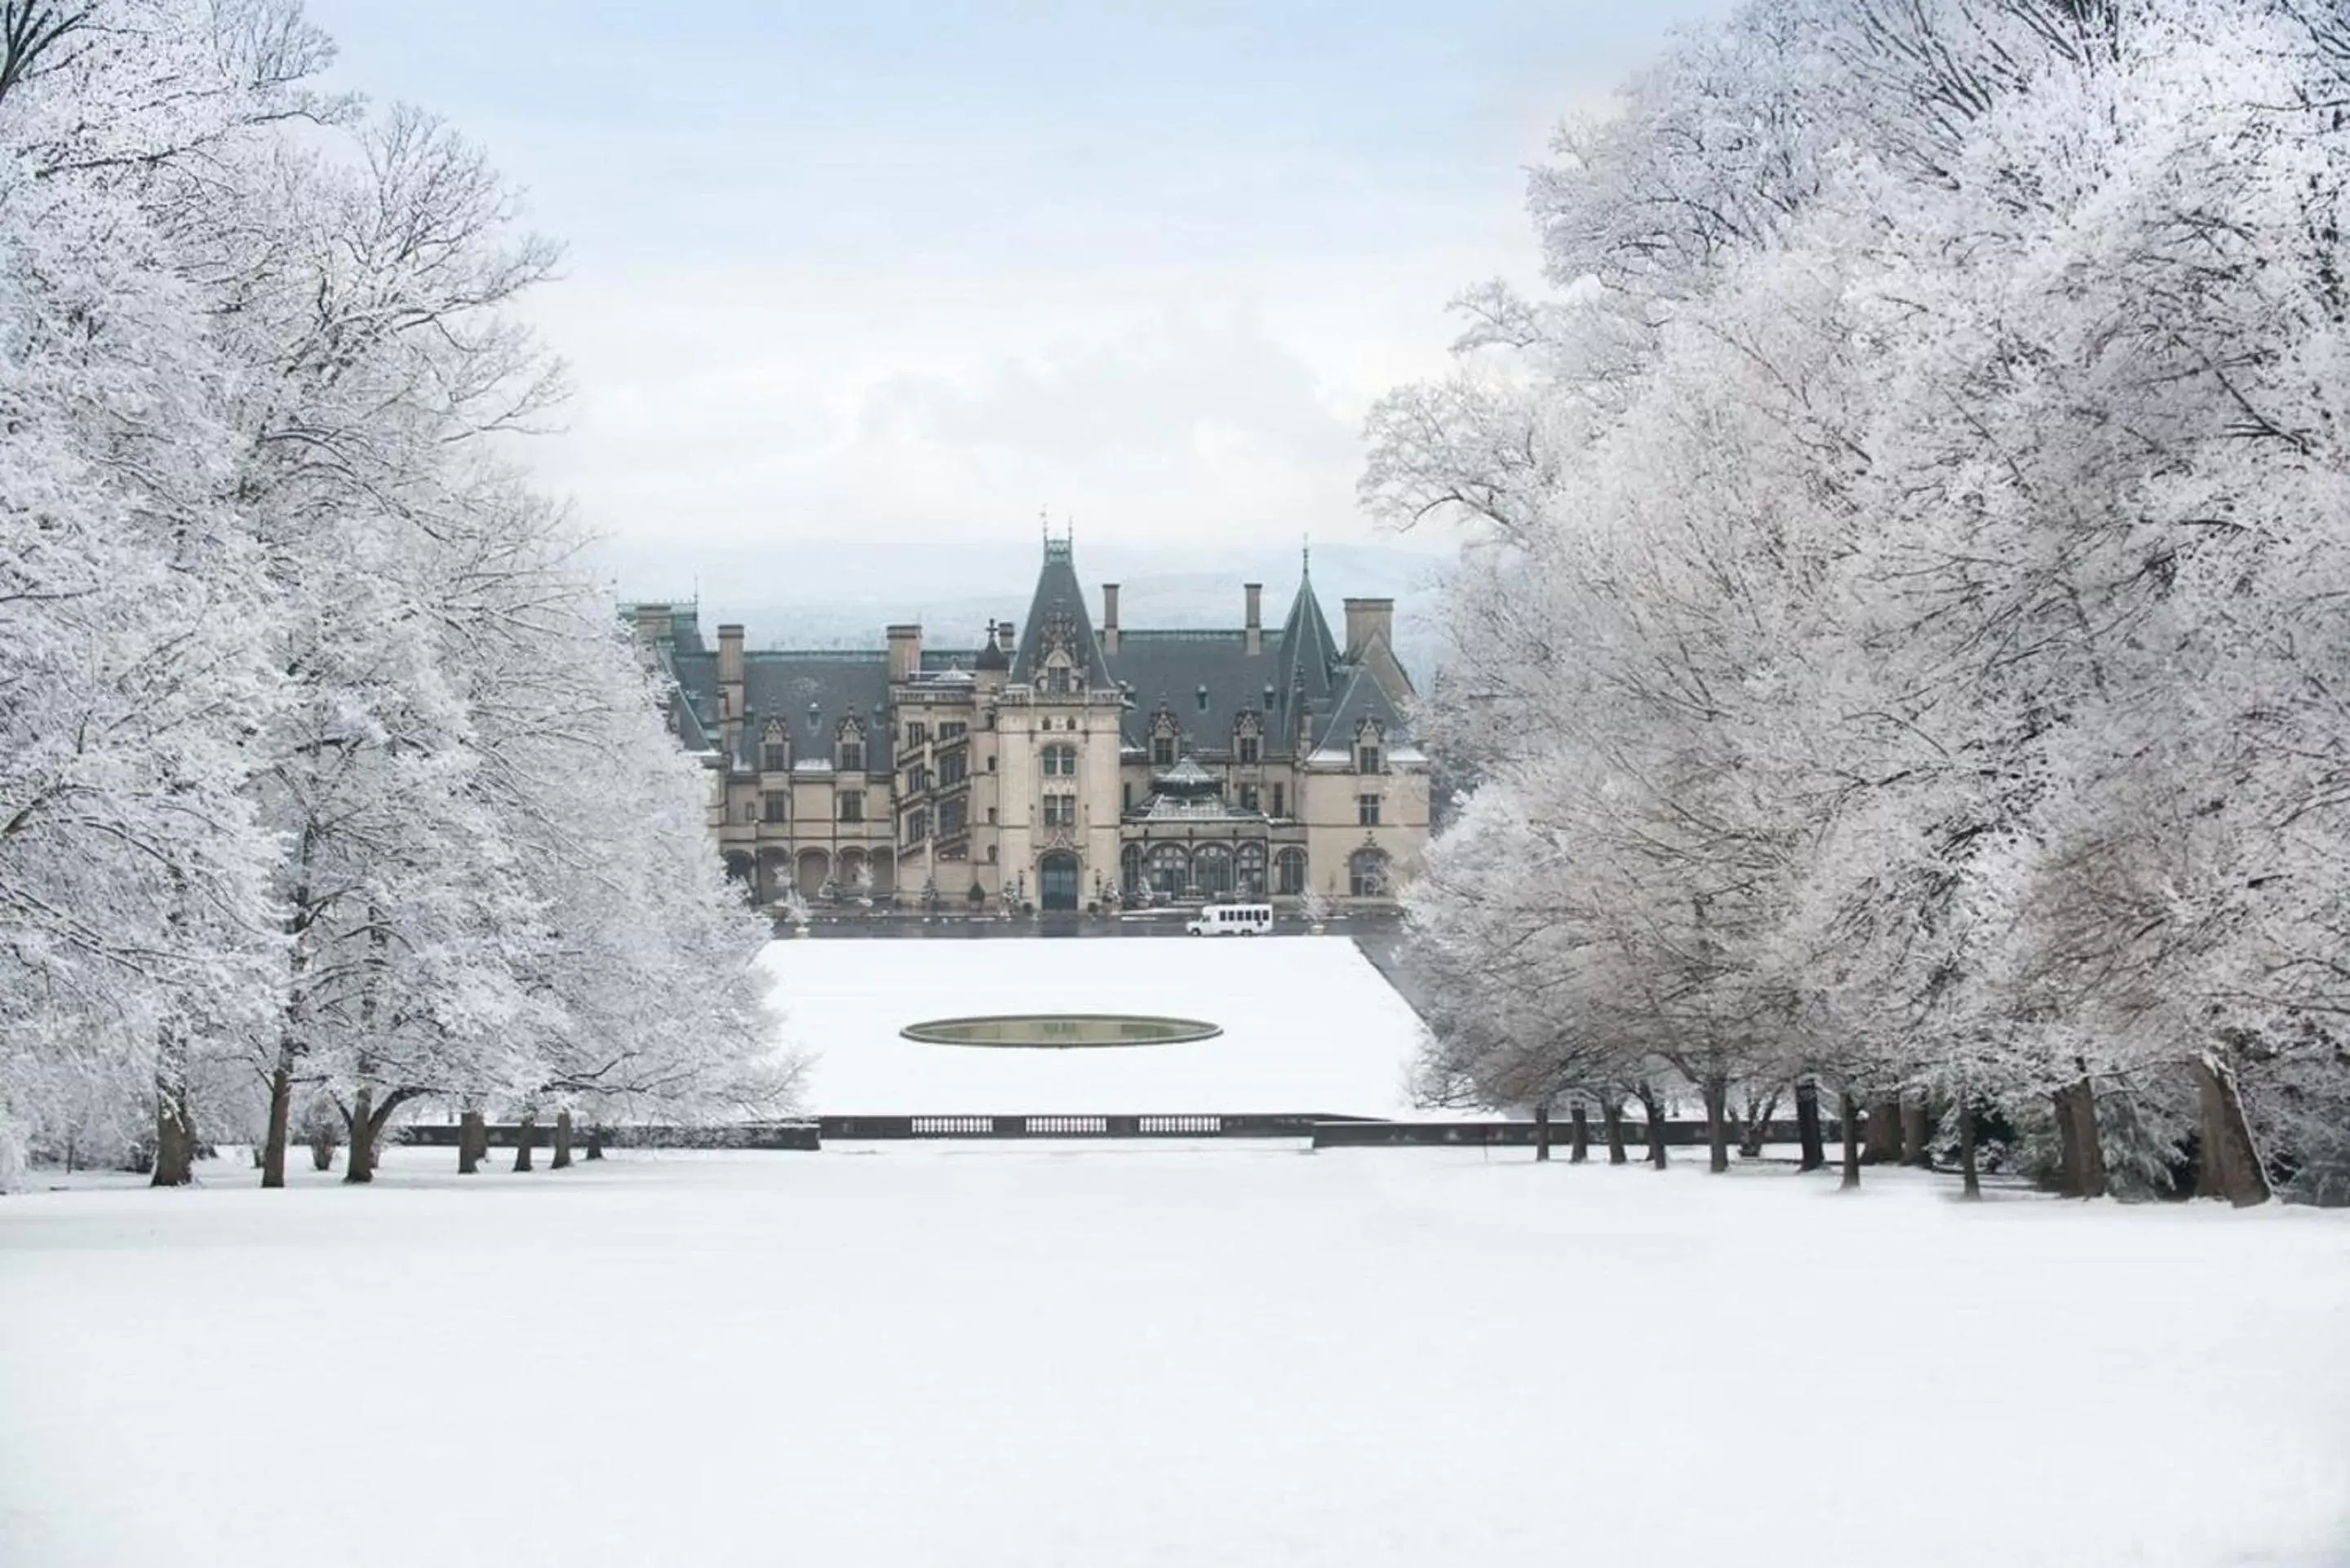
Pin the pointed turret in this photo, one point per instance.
(1058, 622)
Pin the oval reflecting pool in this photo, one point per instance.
(1061, 1031)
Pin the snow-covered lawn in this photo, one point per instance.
(1309, 1026)
(1118, 1355)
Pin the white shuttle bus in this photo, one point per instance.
(1233, 921)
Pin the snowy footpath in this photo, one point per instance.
(1115, 1355)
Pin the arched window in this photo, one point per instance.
(1366, 874)
(1130, 868)
(1248, 870)
(1170, 869)
(1289, 873)
(1212, 870)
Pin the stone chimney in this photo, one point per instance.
(1365, 619)
(905, 652)
(652, 622)
(1109, 617)
(730, 684)
(1007, 636)
(1254, 594)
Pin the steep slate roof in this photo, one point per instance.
(1171, 667)
(1300, 663)
(1059, 592)
(782, 685)
(1364, 698)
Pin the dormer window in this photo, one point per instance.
(1366, 758)
(1164, 732)
(1369, 739)
(852, 757)
(775, 755)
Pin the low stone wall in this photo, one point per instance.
(1387, 1135)
(801, 1136)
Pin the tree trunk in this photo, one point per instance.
(281, 1115)
(2231, 1164)
(1807, 1124)
(1578, 1146)
(1754, 1125)
(2081, 1158)
(175, 1130)
(1654, 1109)
(1611, 1122)
(594, 1143)
(1966, 1115)
(1717, 1125)
(1849, 1112)
(562, 1160)
(1884, 1131)
(1916, 1144)
(358, 1164)
(522, 1135)
(473, 1142)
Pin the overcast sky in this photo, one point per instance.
(916, 271)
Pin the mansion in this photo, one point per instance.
(1060, 763)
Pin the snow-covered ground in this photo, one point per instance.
(1309, 1026)
(1138, 1355)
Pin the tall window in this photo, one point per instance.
(950, 730)
(918, 825)
(917, 781)
(1126, 796)
(952, 767)
(1170, 869)
(1248, 748)
(1366, 758)
(774, 807)
(1248, 870)
(852, 757)
(1060, 811)
(1277, 803)
(852, 805)
(917, 733)
(1060, 762)
(1289, 873)
(1248, 797)
(1366, 810)
(775, 757)
(1163, 751)
(950, 817)
(1366, 874)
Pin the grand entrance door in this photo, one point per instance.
(1056, 879)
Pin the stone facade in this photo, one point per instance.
(1060, 761)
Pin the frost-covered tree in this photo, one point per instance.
(1908, 546)
(321, 767)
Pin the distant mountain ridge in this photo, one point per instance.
(844, 595)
